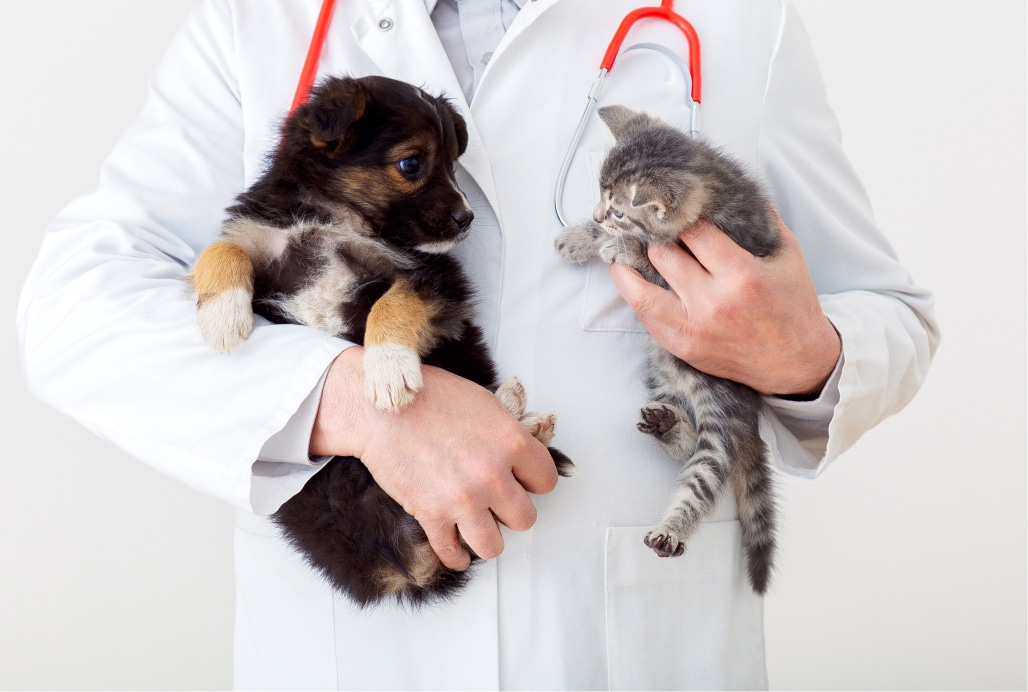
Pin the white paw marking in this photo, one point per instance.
(227, 319)
(392, 375)
(541, 426)
(512, 395)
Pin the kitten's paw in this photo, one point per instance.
(657, 419)
(577, 244)
(664, 543)
(624, 250)
(513, 397)
(225, 320)
(392, 375)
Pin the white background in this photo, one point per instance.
(903, 567)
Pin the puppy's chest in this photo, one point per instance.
(327, 280)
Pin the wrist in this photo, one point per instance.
(341, 419)
(819, 365)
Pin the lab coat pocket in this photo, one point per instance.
(603, 308)
(690, 622)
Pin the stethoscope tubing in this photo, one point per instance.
(664, 11)
(314, 51)
(692, 73)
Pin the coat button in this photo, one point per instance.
(385, 24)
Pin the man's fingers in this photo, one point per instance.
(711, 247)
(534, 469)
(650, 302)
(516, 511)
(446, 544)
(482, 534)
(682, 271)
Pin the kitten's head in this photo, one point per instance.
(648, 188)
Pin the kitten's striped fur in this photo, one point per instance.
(656, 181)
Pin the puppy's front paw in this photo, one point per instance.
(513, 397)
(392, 375)
(577, 244)
(541, 426)
(225, 320)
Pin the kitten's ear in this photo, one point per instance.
(652, 198)
(622, 121)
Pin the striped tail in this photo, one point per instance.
(718, 443)
(222, 280)
(754, 495)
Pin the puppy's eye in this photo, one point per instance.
(410, 165)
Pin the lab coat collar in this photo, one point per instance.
(399, 37)
(430, 4)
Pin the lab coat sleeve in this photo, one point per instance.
(106, 320)
(886, 322)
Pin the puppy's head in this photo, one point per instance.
(388, 149)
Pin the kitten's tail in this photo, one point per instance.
(222, 281)
(754, 494)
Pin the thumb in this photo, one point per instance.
(650, 302)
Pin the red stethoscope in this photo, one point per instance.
(664, 12)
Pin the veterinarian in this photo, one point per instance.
(832, 329)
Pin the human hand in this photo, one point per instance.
(755, 320)
(455, 458)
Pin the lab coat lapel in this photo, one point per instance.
(531, 10)
(399, 37)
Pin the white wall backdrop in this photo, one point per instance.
(903, 567)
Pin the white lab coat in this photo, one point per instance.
(577, 602)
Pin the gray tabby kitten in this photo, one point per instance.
(657, 181)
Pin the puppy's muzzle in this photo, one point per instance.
(463, 219)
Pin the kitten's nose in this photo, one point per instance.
(599, 213)
(463, 218)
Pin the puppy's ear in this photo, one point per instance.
(328, 116)
(460, 128)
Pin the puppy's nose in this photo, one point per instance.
(463, 218)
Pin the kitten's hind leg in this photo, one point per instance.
(699, 485)
(667, 424)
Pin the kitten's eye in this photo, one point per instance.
(617, 213)
(410, 165)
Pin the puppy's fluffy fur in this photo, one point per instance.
(347, 231)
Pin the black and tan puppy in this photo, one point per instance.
(347, 231)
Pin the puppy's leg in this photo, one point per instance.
(398, 332)
(222, 282)
(512, 395)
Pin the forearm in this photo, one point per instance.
(106, 323)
